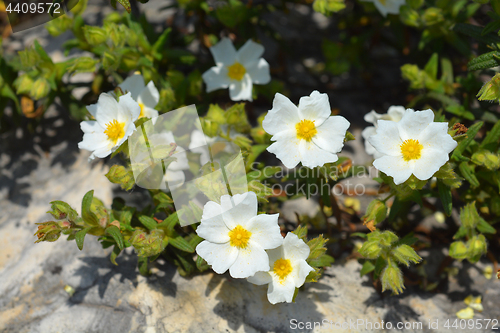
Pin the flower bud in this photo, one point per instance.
(404, 254)
(458, 250)
(210, 128)
(61, 210)
(40, 88)
(477, 247)
(387, 238)
(243, 142)
(23, 84)
(486, 158)
(48, 232)
(469, 216)
(491, 90)
(216, 114)
(376, 212)
(109, 61)
(94, 35)
(392, 278)
(370, 250)
(148, 245)
(83, 65)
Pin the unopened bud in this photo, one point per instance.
(243, 142)
(40, 88)
(376, 212)
(94, 35)
(23, 84)
(48, 232)
(61, 210)
(404, 254)
(458, 250)
(392, 278)
(370, 250)
(477, 247)
(387, 238)
(491, 90)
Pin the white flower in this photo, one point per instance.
(414, 145)
(237, 70)
(395, 113)
(289, 269)
(114, 123)
(306, 133)
(388, 6)
(146, 95)
(236, 237)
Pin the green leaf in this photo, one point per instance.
(114, 232)
(142, 264)
(485, 61)
(114, 255)
(160, 44)
(148, 222)
(485, 227)
(476, 32)
(445, 196)
(317, 247)
(323, 261)
(169, 223)
(181, 244)
(431, 67)
(492, 138)
(87, 215)
(232, 14)
(201, 264)
(125, 4)
(359, 234)
(327, 7)
(379, 266)
(467, 172)
(301, 232)
(80, 237)
(367, 268)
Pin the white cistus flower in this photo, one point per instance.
(307, 133)
(236, 237)
(414, 145)
(238, 70)
(114, 123)
(146, 95)
(289, 269)
(395, 113)
(388, 6)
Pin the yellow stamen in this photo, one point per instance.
(142, 110)
(239, 237)
(411, 150)
(306, 130)
(282, 267)
(236, 71)
(115, 130)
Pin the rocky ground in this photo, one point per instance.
(54, 287)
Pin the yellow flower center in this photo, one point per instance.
(411, 150)
(282, 267)
(114, 130)
(239, 237)
(142, 110)
(306, 130)
(236, 71)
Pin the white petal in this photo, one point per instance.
(275, 254)
(299, 273)
(372, 117)
(93, 141)
(294, 248)
(366, 133)
(250, 52)
(413, 123)
(429, 163)
(265, 231)
(213, 230)
(381, 8)
(219, 256)
(91, 126)
(260, 278)
(312, 156)
(224, 52)
(149, 96)
(150, 113)
(241, 90)
(129, 107)
(239, 209)
(315, 107)
(286, 148)
(387, 140)
(395, 167)
(259, 72)
(250, 260)
(282, 117)
(102, 152)
(133, 84)
(107, 110)
(436, 136)
(280, 291)
(92, 109)
(331, 134)
(211, 209)
(396, 112)
(216, 78)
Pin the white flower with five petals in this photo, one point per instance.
(114, 123)
(146, 95)
(395, 113)
(414, 145)
(307, 133)
(289, 269)
(236, 237)
(388, 6)
(238, 70)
